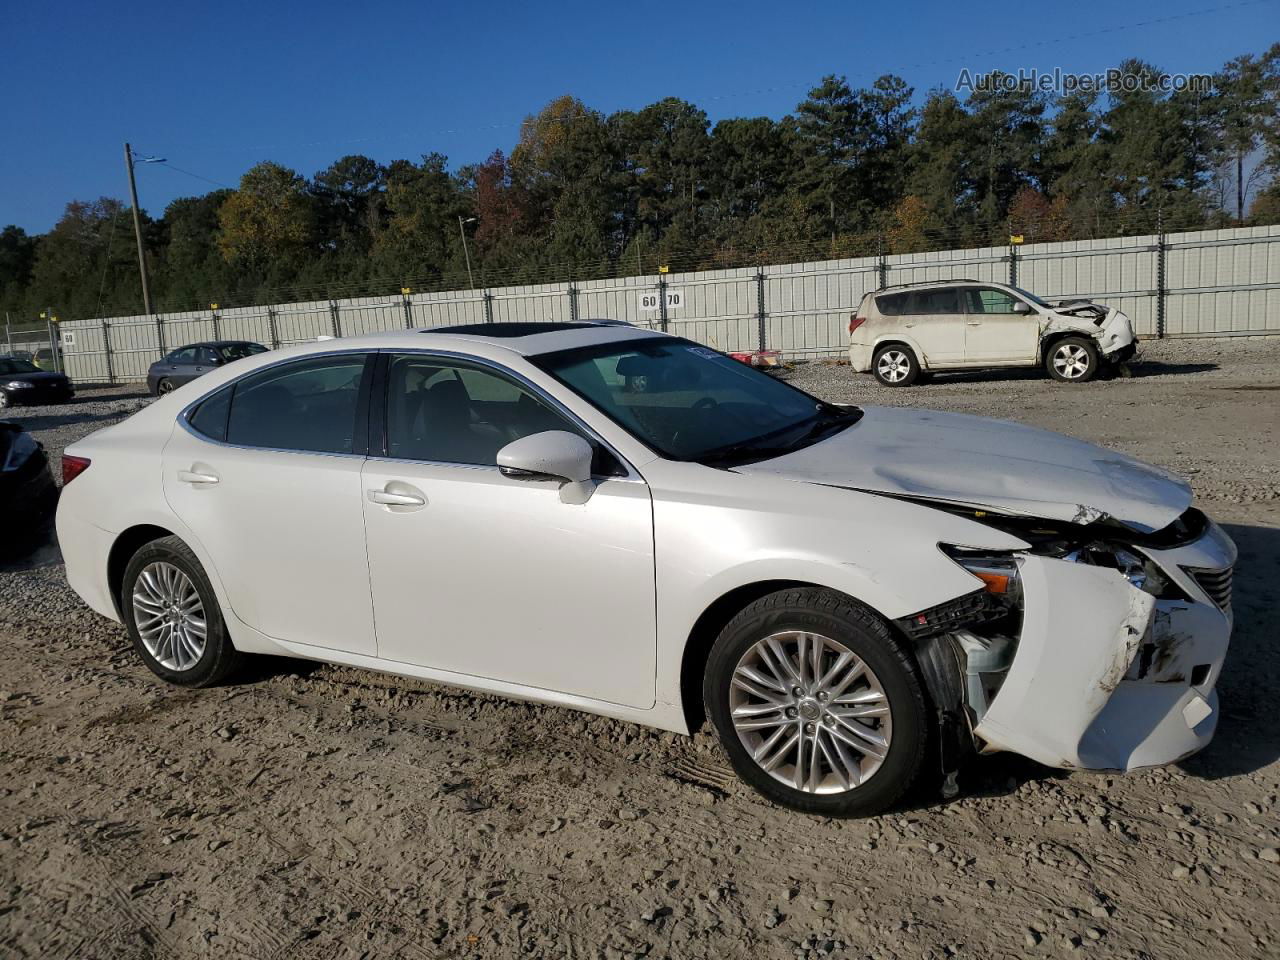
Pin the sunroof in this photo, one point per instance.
(511, 329)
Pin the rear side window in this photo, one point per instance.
(309, 405)
(210, 418)
(185, 355)
(893, 304)
(935, 302)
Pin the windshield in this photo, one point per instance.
(237, 351)
(9, 365)
(689, 402)
(1032, 297)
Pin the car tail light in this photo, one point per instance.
(856, 322)
(72, 467)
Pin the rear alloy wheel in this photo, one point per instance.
(163, 387)
(4, 400)
(816, 704)
(172, 616)
(1072, 360)
(896, 366)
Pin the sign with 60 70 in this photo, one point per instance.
(653, 301)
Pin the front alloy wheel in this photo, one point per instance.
(1073, 360)
(817, 704)
(810, 712)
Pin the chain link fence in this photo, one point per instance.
(1205, 283)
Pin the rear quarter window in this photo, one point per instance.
(893, 304)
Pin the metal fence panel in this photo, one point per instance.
(1213, 282)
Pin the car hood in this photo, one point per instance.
(995, 464)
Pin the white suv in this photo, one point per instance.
(901, 334)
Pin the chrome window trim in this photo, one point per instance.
(184, 416)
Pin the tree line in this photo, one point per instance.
(850, 172)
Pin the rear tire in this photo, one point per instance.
(1072, 360)
(860, 717)
(172, 615)
(895, 365)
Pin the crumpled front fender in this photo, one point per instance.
(1082, 626)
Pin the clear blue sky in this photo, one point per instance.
(216, 87)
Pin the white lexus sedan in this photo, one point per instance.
(624, 522)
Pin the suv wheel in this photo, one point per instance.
(896, 366)
(172, 616)
(817, 704)
(1072, 360)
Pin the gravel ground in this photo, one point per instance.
(320, 812)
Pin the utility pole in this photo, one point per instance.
(137, 231)
(471, 283)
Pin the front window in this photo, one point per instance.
(443, 411)
(688, 402)
(9, 365)
(238, 351)
(989, 300)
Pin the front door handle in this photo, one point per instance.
(973, 323)
(191, 476)
(389, 499)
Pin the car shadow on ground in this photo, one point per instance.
(51, 421)
(1135, 370)
(1248, 736)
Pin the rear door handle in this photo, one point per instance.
(973, 323)
(190, 476)
(386, 498)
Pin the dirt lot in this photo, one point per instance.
(309, 811)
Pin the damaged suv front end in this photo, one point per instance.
(1095, 647)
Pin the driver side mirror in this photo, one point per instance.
(551, 455)
(1020, 306)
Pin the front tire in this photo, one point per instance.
(173, 618)
(164, 386)
(1072, 360)
(817, 704)
(896, 365)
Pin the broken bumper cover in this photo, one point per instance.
(1105, 675)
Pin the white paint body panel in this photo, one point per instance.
(984, 462)
(498, 578)
(498, 584)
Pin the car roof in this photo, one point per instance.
(934, 284)
(523, 338)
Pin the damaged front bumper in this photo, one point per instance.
(1101, 673)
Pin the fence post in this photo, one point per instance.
(407, 307)
(334, 320)
(662, 303)
(271, 326)
(106, 347)
(53, 344)
(882, 263)
(217, 329)
(488, 307)
(1161, 248)
(573, 303)
(1013, 262)
(160, 334)
(760, 338)
(8, 331)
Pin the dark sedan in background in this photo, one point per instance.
(21, 381)
(27, 490)
(195, 360)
